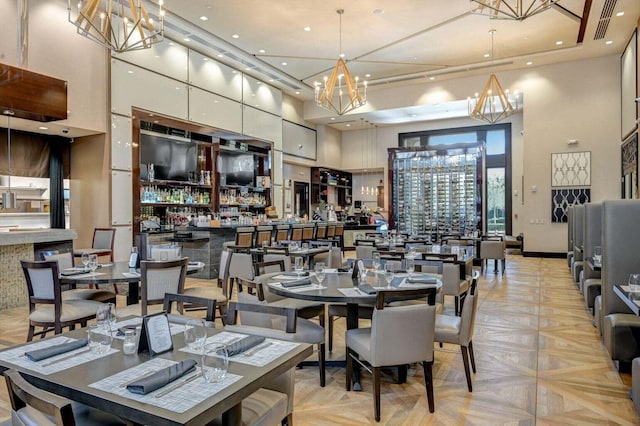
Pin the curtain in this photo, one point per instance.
(58, 148)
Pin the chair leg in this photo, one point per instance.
(504, 265)
(428, 382)
(472, 358)
(288, 421)
(465, 362)
(349, 369)
(330, 333)
(456, 305)
(402, 373)
(30, 334)
(376, 392)
(321, 365)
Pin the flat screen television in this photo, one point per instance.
(236, 169)
(173, 157)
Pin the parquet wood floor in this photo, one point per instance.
(539, 361)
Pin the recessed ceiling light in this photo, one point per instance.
(171, 44)
(415, 58)
(205, 59)
(529, 63)
(432, 78)
(247, 69)
(204, 18)
(157, 56)
(271, 80)
(130, 72)
(486, 55)
(378, 11)
(367, 75)
(608, 42)
(262, 51)
(342, 55)
(187, 39)
(333, 119)
(284, 64)
(297, 92)
(235, 36)
(559, 43)
(348, 125)
(43, 128)
(620, 14)
(413, 115)
(220, 55)
(307, 28)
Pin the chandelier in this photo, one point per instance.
(518, 10)
(119, 25)
(340, 93)
(494, 103)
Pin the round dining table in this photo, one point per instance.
(119, 273)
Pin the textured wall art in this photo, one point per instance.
(561, 199)
(630, 168)
(571, 169)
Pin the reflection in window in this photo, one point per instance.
(496, 206)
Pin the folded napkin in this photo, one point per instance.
(40, 354)
(343, 270)
(162, 378)
(294, 274)
(244, 344)
(298, 283)
(73, 271)
(422, 280)
(366, 288)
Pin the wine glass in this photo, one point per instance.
(634, 282)
(85, 260)
(106, 315)
(93, 263)
(376, 261)
(298, 266)
(409, 266)
(319, 269)
(388, 273)
(195, 334)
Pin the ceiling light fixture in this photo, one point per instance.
(348, 96)
(517, 10)
(119, 25)
(484, 107)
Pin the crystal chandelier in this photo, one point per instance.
(494, 103)
(119, 25)
(340, 93)
(518, 10)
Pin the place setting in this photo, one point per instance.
(301, 280)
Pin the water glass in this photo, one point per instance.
(106, 315)
(130, 344)
(215, 362)
(85, 260)
(376, 261)
(298, 265)
(305, 246)
(99, 338)
(388, 273)
(634, 282)
(409, 266)
(93, 262)
(319, 270)
(597, 254)
(195, 334)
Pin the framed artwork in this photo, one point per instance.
(571, 169)
(629, 88)
(561, 199)
(629, 153)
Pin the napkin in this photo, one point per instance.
(298, 283)
(162, 378)
(422, 280)
(244, 344)
(294, 274)
(40, 354)
(366, 288)
(73, 271)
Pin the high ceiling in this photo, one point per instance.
(294, 43)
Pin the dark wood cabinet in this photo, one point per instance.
(331, 186)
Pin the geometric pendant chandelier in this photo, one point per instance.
(517, 10)
(119, 25)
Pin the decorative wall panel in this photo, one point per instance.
(561, 199)
(629, 154)
(571, 169)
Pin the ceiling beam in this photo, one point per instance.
(583, 21)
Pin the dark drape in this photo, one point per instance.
(57, 149)
(30, 153)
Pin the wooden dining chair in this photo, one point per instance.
(31, 405)
(47, 308)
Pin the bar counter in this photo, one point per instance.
(17, 245)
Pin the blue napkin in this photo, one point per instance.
(299, 283)
(162, 378)
(40, 354)
(244, 344)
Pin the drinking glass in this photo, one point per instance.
(195, 334)
(99, 338)
(298, 266)
(597, 254)
(305, 246)
(409, 266)
(106, 315)
(293, 246)
(93, 263)
(215, 361)
(319, 269)
(634, 282)
(376, 261)
(388, 273)
(130, 344)
(85, 260)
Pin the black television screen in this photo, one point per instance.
(237, 169)
(173, 157)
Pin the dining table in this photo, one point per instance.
(117, 273)
(100, 380)
(630, 298)
(308, 254)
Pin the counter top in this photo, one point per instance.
(20, 236)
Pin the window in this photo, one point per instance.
(496, 205)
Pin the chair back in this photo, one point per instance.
(268, 267)
(241, 265)
(364, 252)
(276, 257)
(492, 249)
(282, 232)
(308, 232)
(402, 334)
(321, 230)
(244, 236)
(468, 319)
(223, 271)
(32, 405)
(43, 284)
(65, 260)
(103, 238)
(331, 230)
(429, 266)
(296, 233)
(263, 235)
(450, 279)
(193, 301)
(339, 230)
(159, 278)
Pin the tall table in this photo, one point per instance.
(119, 273)
(73, 383)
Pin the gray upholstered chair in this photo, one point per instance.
(452, 284)
(65, 261)
(620, 246)
(492, 249)
(635, 384)
(459, 331)
(156, 279)
(569, 236)
(240, 266)
(398, 335)
(47, 308)
(31, 406)
(364, 251)
(578, 241)
(219, 293)
(590, 281)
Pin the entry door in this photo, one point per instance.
(301, 197)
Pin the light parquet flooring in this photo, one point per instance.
(539, 362)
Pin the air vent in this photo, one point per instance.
(605, 17)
